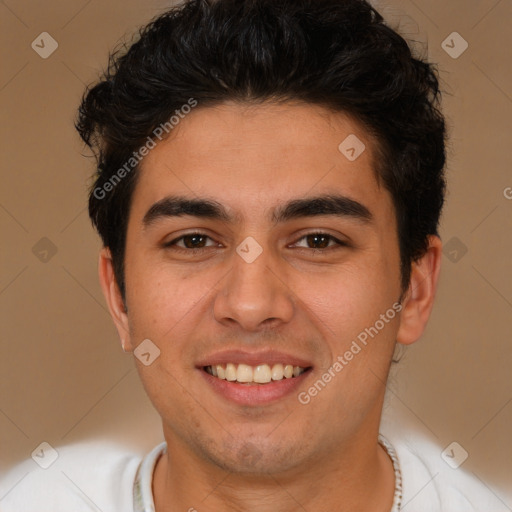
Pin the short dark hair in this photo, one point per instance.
(334, 53)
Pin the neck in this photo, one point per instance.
(359, 475)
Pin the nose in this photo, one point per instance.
(255, 295)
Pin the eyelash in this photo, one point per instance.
(200, 250)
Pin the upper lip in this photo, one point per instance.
(253, 358)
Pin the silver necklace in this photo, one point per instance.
(397, 501)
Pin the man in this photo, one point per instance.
(269, 186)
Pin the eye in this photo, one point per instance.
(198, 242)
(321, 240)
(191, 241)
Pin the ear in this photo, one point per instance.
(114, 299)
(419, 299)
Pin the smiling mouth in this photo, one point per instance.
(259, 374)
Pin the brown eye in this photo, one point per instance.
(191, 242)
(320, 241)
(194, 241)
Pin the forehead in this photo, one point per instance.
(254, 154)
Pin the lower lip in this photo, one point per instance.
(255, 394)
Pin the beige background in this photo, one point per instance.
(64, 377)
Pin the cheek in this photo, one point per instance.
(349, 299)
(160, 297)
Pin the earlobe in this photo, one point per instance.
(113, 297)
(419, 299)
(123, 345)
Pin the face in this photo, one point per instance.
(254, 241)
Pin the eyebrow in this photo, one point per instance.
(335, 205)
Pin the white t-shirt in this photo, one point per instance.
(101, 476)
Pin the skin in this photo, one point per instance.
(313, 304)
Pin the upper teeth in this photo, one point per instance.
(262, 373)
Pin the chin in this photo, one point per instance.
(256, 457)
